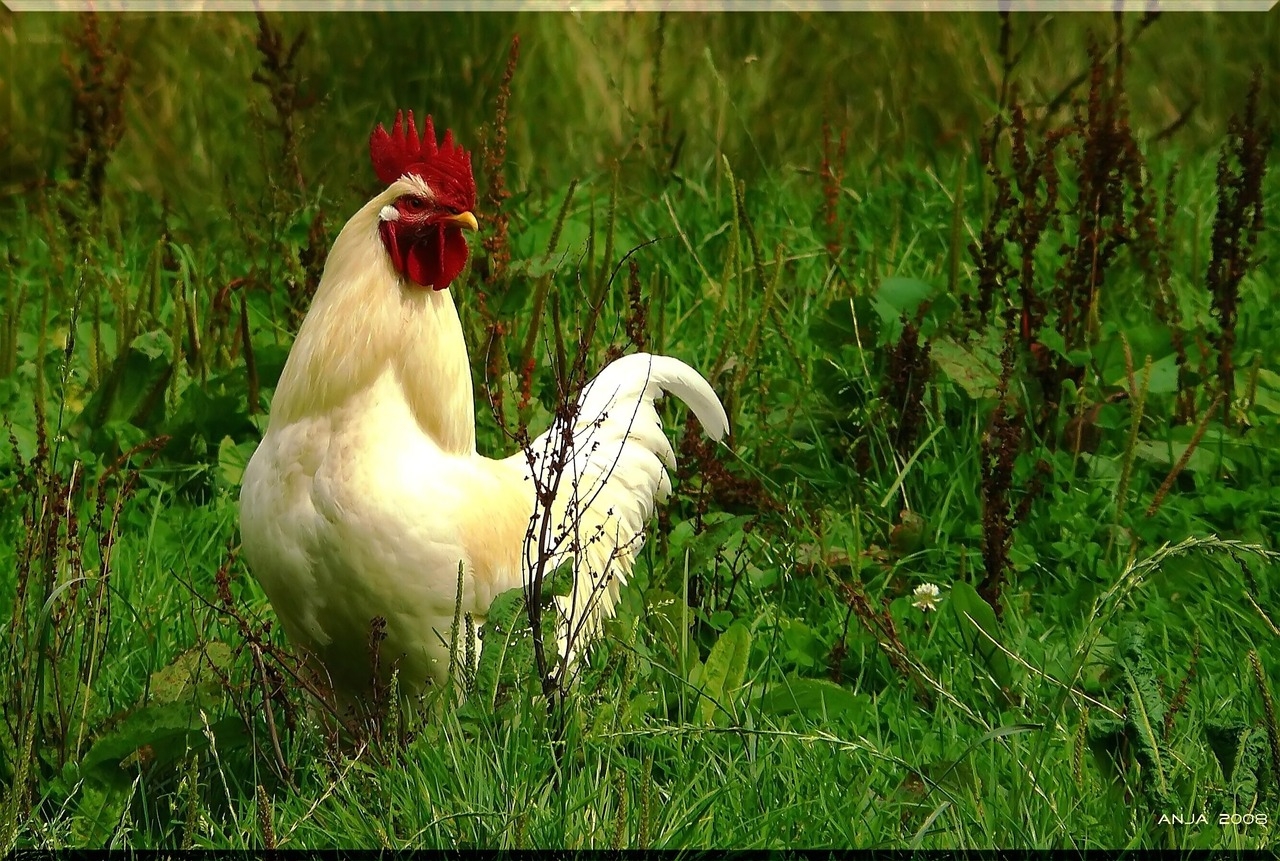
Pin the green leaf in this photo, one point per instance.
(1105, 736)
(1146, 710)
(1225, 739)
(132, 389)
(897, 296)
(193, 673)
(814, 698)
(1203, 459)
(666, 616)
(978, 627)
(1097, 666)
(721, 535)
(99, 809)
(956, 775)
(1253, 768)
(720, 619)
(845, 323)
(804, 648)
(158, 734)
(233, 457)
(1164, 376)
(507, 646)
(211, 412)
(974, 369)
(723, 673)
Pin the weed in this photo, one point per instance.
(493, 149)
(98, 84)
(61, 624)
(1184, 459)
(881, 626)
(1269, 712)
(278, 73)
(831, 173)
(1179, 699)
(1241, 169)
(1001, 445)
(909, 372)
(1134, 739)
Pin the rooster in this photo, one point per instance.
(367, 499)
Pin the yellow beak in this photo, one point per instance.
(465, 220)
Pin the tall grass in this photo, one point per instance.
(755, 88)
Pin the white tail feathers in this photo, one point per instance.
(602, 486)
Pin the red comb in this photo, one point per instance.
(395, 154)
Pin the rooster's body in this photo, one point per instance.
(366, 498)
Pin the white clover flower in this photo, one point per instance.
(927, 597)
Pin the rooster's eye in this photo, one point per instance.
(415, 204)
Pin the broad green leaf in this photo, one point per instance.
(506, 645)
(845, 323)
(974, 369)
(1267, 399)
(1146, 710)
(157, 733)
(955, 774)
(507, 659)
(666, 617)
(211, 412)
(1054, 341)
(979, 627)
(1225, 739)
(233, 457)
(721, 535)
(804, 648)
(897, 296)
(1164, 376)
(1253, 766)
(1266, 390)
(1106, 739)
(1168, 453)
(98, 811)
(814, 698)
(196, 671)
(132, 389)
(723, 673)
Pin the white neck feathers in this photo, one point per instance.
(364, 323)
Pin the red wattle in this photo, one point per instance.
(431, 259)
(423, 262)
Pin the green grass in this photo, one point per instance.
(768, 681)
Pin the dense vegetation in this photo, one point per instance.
(990, 299)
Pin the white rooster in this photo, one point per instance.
(367, 496)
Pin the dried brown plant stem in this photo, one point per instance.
(831, 172)
(1237, 225)
(493, 152)
(1179, 700)
(881, 626)
(278, 73)
(98, 84)
(1186, 457)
